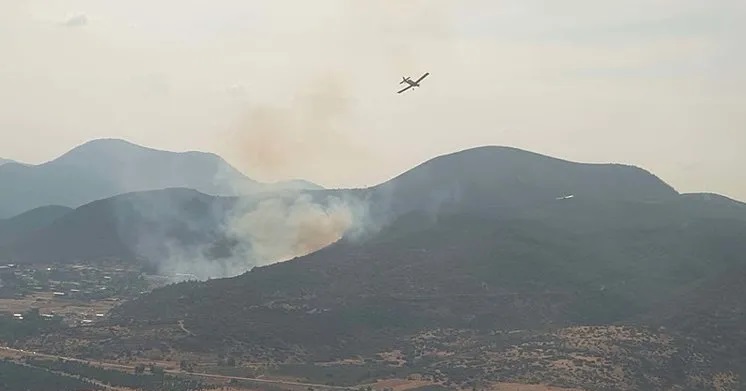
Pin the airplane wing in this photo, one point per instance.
(404, 89)
(422, 77)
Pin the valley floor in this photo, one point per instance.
(236, 383)
(572, 358)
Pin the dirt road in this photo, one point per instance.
(175, 372)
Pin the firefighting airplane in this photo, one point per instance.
(411, 83)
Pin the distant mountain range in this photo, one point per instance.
(107, 167)
(463, 250)
(5, 161)
(500, 182)
(495, 183)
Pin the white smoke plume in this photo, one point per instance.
(278, 229)
(306, 137)
(260, 233)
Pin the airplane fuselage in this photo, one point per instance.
(410, 82)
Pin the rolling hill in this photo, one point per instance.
(501, 182)
(104, 168)
(467, 249)
(477, 241)
(465, 271)
(129, 227)
(175, 230)
(18, 226)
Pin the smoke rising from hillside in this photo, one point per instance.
(279, 229)
(275, 141)
(252, 232)
(305, 137)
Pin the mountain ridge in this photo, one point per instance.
(510, 179)
(517, 178)
(460, 252)
(104, 168)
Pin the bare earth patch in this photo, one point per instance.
(401, 384)
(527, 387)
(47, 303)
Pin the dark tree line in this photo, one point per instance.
(18, 377)
(153, 380)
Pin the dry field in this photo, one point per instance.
(47, 303)
(527, 387)
(401, 384)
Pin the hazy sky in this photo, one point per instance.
(302, 88)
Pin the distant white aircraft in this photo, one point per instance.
(566, 197)
(411, 83)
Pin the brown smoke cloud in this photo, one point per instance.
(307, 137)
(304, 138)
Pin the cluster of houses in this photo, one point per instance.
(78, 284)
(65, 281)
